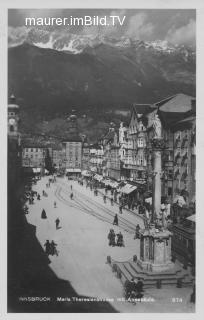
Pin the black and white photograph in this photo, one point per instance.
(101, 160)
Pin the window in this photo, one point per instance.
(140, 142)
(170, 174)
(31, 150)
(140, 160)
(139, 174)
(169, 191)
(11, 128)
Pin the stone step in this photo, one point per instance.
(168, 273)
(128, 272)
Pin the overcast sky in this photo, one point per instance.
(176, 26)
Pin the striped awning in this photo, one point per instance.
(98, 177)
(128, 188)
(73, 170)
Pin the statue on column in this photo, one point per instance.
(156, 123)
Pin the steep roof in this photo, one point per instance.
(178, 103)
(143, 108)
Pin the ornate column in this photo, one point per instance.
(157, 146)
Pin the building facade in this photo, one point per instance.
(96, 155)
(72, 148)
(14, 145)
(33, 156)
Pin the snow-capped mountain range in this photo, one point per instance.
(75, 43)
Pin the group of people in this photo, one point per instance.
(134, 289)
(50, 248)
(113, 241)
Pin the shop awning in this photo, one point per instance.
(73, 170)
(149, 200)
(36, 170)
(114, 184)
(180, 200)
(98, 177)
(85, 173)
(128, 188)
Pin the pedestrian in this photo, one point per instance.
(137, 232)
(115, 221)
(47, 247)
(131, 290)
(139, 287)
(129, 205)
(53, 249)
(71, 186)
(43, 214)
(57, 221)
(120, 242)
(55, 204)
(104, 199)
(71, 196)
(38, 196)
(111, 238)
(120, 209)
(111, 201)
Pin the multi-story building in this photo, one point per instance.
(111, 158)
(177, 115)
(14, 144)
(96, 154)
(72, 148)
(137, 150)
(33, 156)
(184, 158)
(85, 155)
(58, 157)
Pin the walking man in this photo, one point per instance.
(104, 199)
(137, 232)
(47, 247)
(57, 221)
(120, 208)
(53, 249)
(115, 221)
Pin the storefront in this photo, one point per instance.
(74, 173)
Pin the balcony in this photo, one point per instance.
(176, 173)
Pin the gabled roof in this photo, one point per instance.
(177, 103)
(143, 108)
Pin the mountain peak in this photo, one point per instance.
(77, 43)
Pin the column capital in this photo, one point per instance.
(158, 144)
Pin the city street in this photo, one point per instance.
(83, 248)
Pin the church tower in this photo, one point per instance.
(13, 118)
(73, 147)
